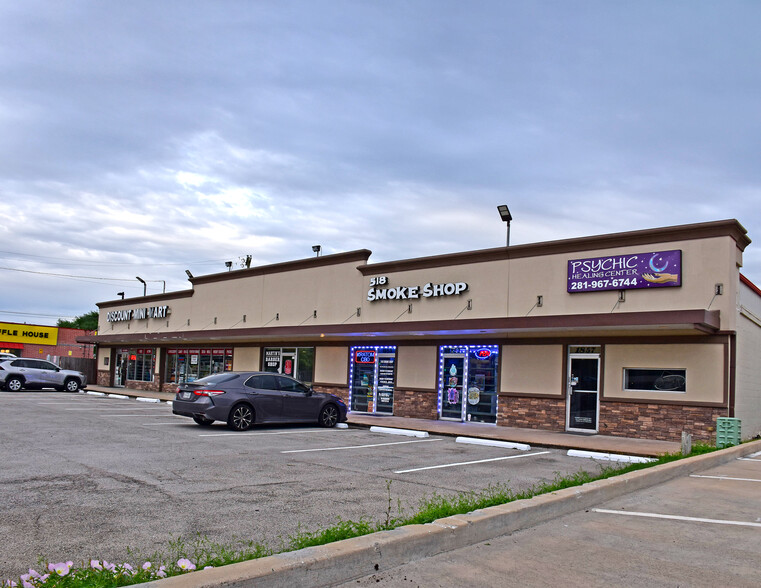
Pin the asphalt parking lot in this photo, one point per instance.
(96, 477)
(702, 529)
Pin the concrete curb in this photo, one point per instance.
(346, 560)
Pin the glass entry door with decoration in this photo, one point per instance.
(373, 375)
(583, 390)
(468, 383)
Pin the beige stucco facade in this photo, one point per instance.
(502, 324)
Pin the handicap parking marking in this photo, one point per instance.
(653, 515)
(465, 463)
(725, 478)
(241, 434)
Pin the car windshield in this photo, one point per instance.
(216, 379)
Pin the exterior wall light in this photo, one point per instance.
(317, 249)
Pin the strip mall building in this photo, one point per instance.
(642, 334)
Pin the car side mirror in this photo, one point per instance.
(309, 392)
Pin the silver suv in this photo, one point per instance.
(23, 372)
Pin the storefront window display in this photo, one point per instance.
(141, 364)
(468, 382)
(297, 362)
(373, 375)
(188, 365)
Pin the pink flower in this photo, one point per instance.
(185, 564)
(161, 573)
(62, 568)
(95, 564)
(26, 584)
(147, 565)
(107, 566)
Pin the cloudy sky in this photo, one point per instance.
(144, 138)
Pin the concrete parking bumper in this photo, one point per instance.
(346, 560)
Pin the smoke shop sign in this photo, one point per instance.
(138, 314)
(429, 290)
(659, 269)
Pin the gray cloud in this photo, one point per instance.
(141, 138)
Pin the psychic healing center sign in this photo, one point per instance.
(658, 269)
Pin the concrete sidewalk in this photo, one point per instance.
(538, 437)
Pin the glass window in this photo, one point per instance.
(291, 385)
(297, 362)
(218, 379)
(141, 364)
(188, 365)
(263, 382)
(655, 380)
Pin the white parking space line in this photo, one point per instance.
(142, 416)
(360, 446)
(725, 478)
(116, 408)
(160, 424)
(653, 515)
(464, 463)
(273, 433)
(747, 459)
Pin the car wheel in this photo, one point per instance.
(328, 415)
(241, 417)
(14, 384)
(72, 385)
(202, 421)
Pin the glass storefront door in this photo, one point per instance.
(583, 396)
(373, 371)
(468, 383)
(120, 368)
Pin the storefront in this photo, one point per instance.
(646, 333)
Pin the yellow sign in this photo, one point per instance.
(15, 333)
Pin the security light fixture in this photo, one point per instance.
(317, 249)
(228, 265)
(504, 212)
(142, 281)
(190, 276)
(120, 294)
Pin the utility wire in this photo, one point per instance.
(35, 314)
(140, 264)
(11, 269)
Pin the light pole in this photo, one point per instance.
(504, 212)
(142, 281)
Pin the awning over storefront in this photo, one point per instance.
(682, 322)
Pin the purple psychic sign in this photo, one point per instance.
(657, 269)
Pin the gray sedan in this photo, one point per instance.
(242, 399)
